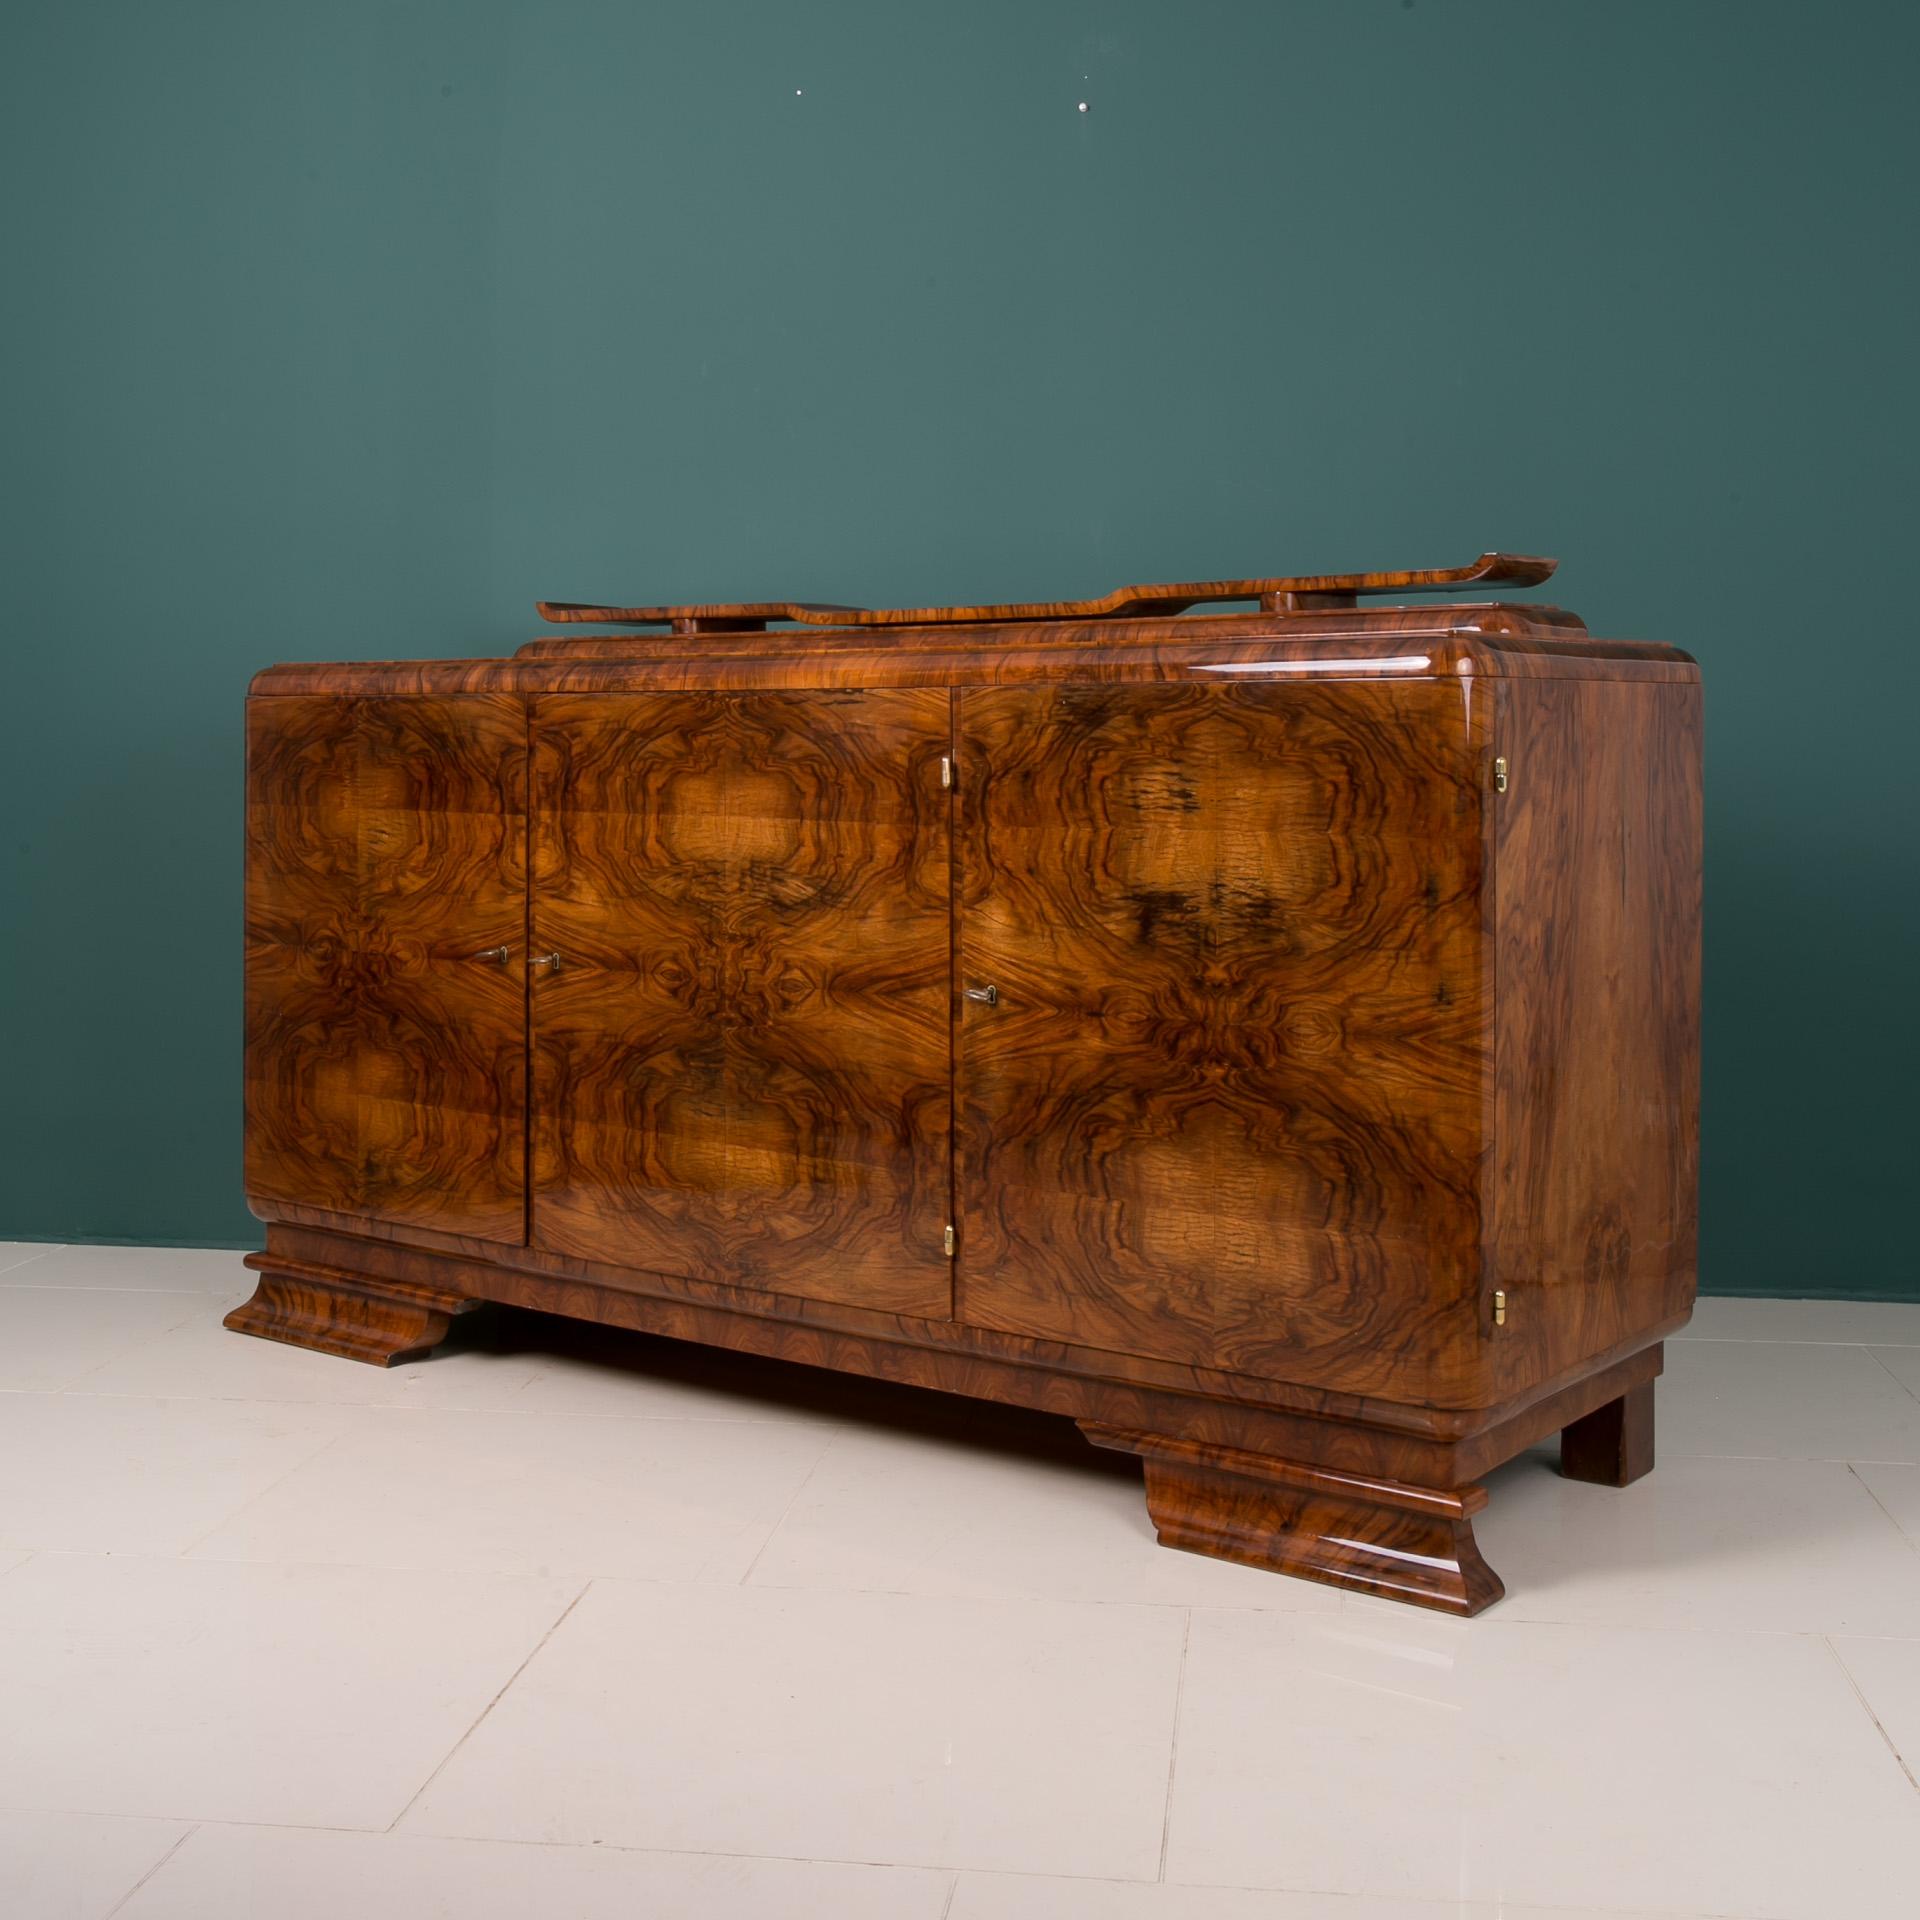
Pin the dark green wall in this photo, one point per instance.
(337, 330)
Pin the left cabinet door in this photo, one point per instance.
(385, 953)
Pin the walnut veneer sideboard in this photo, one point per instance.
(1268, 1036)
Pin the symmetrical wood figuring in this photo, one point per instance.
(385, 921)
(1326, 1140)
(1286, 590)
(1227, 1105)
(742, 1054)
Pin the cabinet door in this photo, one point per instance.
(1226, 1107)
(385, 1028)
(742, 1055)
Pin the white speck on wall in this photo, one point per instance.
(1083, 106)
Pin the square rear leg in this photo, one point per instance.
(1613, 1445)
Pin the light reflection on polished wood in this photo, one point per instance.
(1308, 1036)
(1592, 1204)
(1227, 1107)
(1344, 1529)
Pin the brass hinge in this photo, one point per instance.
(1500, 774)
(949, 1243)
(946, 769)
(1499, 1309)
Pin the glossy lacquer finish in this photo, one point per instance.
(1226, 1106)
(385, 922)
(1289, 590)
(1592, 1211)
(742, 1050)
(1317, 991)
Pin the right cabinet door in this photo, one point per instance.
(1225, 1102)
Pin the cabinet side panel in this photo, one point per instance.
(385, 1057)
(1593, 1186)
(1227, 1104)
(743, 1056)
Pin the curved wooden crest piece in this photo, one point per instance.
(1285, 593)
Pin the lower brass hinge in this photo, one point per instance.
(949, 1243)
(946, 770)
(1499, 1309)
(1500, 774)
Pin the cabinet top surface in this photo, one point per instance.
(1310, 625)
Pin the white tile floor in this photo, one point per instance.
(582, 1624)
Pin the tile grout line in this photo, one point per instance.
(400, 1407)
(1775, 1340)
(663, 1582)
(840, 1860)
(1551, 1622)
(200, 1539)
(1792, 1459)
(793, 1500)
(14, 1266)
(618, 1846)
(953, 1893)
(67, 1286)
(1853, 1467)
(119, 1904)
(1874, 1354)
(72, 1386)
(1173, 1746)
(446, 1759)
(1899, 1760)
(67, 1383)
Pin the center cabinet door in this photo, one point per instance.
(742, 1019)
(1225, 1104)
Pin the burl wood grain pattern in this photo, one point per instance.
(1404, 640)
(1402, 1442)
(1485, 643)
(1228, 1106)
(385, 921)
(743, 1055)
(1593, 1173)
(338, 1310)
(1306, 1038)
(1276, 590)
(1342, 1529)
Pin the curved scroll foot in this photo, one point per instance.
(333, 1311)
(1347, 1530)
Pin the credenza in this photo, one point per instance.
(1256, 1019)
